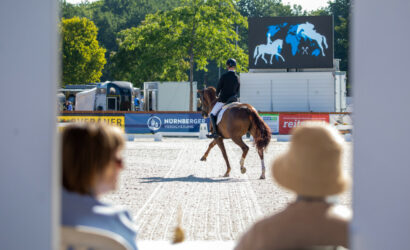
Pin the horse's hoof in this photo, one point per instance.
(226, 175)
(262, 177)
(243, 170)
(203, 158)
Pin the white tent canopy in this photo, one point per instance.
(84, 101)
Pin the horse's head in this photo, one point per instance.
(208, 100)
(278, 43)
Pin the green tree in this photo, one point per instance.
(112, 16)
(83, 9)
(169, 43)
(340, 9)
(83, 58)
(268, 8)
(320, 12)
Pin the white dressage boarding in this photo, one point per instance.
(270, 48)
(308, 30)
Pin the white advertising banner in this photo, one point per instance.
(272, 120)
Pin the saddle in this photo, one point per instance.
(220, 113)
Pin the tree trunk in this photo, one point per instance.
(191, 70)
(191, 79)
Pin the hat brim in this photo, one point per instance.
(287, 176)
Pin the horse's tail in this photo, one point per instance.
(259, 130)
(255, 53)
(324, 41)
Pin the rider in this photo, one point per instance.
(227, 91)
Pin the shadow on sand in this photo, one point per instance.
(190, 178)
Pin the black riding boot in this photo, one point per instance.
(214, 129)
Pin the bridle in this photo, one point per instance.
(204, 112)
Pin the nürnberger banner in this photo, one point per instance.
(163, 122)
(289, 121)
(291, 42)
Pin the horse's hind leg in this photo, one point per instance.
(245, 150)
(221, 145)
(260, 152)
(320, 46)
(256, 60)
(211, 145)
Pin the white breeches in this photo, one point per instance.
(217, 107)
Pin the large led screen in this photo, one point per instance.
(291, 42)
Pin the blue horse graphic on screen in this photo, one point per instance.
(271, 48)
(302, 38)
(307, 31)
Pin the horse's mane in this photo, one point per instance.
(211, 93)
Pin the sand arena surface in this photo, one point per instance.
(160, 177)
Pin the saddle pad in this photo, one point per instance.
(225, 107)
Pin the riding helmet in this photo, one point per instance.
(231, 62)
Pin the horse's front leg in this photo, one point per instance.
(211, 145)
(221, 145)
(280, 56)
(260, 152)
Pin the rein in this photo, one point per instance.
(213, 102)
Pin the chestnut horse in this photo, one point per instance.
(236, 121)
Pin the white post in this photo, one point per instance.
(29, 171)
(203, 131)
(380, 56)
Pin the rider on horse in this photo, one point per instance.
(227, 92)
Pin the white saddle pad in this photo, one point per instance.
(221, 113)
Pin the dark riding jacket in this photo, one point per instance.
(228, 86)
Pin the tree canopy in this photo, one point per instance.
(268, 8)
(169, 43)
(120, 22)
(83, 58)
(113, 16)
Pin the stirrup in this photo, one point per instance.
(212, 136)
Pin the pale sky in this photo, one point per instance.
(306, 4)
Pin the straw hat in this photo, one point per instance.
(313, 164)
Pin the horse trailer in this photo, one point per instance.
(295, 91)
(115, 96)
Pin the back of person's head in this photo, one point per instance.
(313, 164)
(87, 151)
(231, 63)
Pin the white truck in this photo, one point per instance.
(169, 96)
